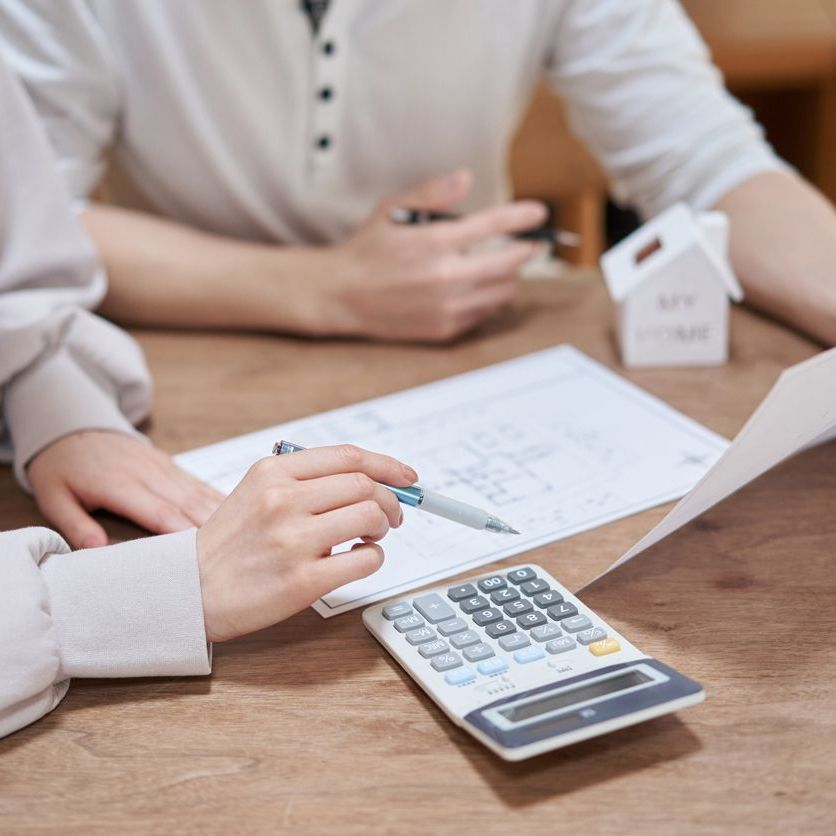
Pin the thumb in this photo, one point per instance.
(437, 194)
(63, 509)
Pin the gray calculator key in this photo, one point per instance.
(561, 645)
(408, 622)
(434, 608)
(521, 575)
(514, 642)
(518, 607)
(419, 636)
(531, 619)
(548, 599)
(596, 634)
(466, 639)
(470, 605)
(433, 648)
(446, 661)
(456, 593)
(452, 625)
(535, 586)
(492, 583)
(575, 624)
(562, 610)
(478, 652)
(545, 632)
(501, 628)
(393, 611)
(488, 616)
(505, 596)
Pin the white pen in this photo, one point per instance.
(431, 502)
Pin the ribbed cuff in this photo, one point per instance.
(53, 399)
(133, 609)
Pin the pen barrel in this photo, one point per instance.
(452, 509)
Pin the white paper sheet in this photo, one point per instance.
(552, 442)
(799, 412)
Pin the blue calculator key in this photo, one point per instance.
(408, 622)
(456, 593)
(596, 634)
(562, 610)
(518, 607)
(576, 624)
(529, 654)
(433, 607)
(488, 616)
(492, 583)
(478, 652)
(548, 599)
(446, 661)
(459, 676)
(501, 628)
(531, 619)
(470, 605)
(452, 625)
(465, 639)
(393, 611)
(419, 636)
(433, 648)
(535, 586)
(521, 575)
(514, 642)
(492, 666)
(504, 596)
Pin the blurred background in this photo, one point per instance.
(778, 57)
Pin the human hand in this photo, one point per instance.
(93, 470)
(265, 553)
(422, 282)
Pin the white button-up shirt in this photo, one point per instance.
(233, 117)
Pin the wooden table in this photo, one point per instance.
(310, 728)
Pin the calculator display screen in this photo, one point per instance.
(571, 696)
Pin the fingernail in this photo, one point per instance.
(91, 541)
(400, 517)
(409, 473)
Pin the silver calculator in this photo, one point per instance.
(524, 665)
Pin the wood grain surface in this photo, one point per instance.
(309, 727)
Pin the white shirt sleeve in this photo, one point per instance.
(60, 53)
(133, 609)
(642, 93)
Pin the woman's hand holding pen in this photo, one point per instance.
(265, 553)
(424, 282)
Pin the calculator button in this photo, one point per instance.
(460, 676)
(576, 624)
(419, 636)
(521, 575)
(518, 607)
(604, 647)
(529, 654)
(488, 616)
(561, 645)
(548, 599)
(434, 608)
(456, 593)
(501, 628)
(531, 619)
(514, 641)
(452, 625)
(492, 583)
(472, 604)
(562, 610)
(393, 611)
(446, 661)
(492, 666)
(504, 596)
(478, 652)
(545, 632)
(596, 634)
(408, 622)
(465, 639)
(535, 586)
(433, 648)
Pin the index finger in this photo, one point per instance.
(346, 458)
(521, 216)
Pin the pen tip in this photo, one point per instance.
(513, 531)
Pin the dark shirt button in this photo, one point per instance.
(329, 47)
(326, 94)
(324, 142)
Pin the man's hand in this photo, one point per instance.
(425, 282)
(265, 553)
(93, 470)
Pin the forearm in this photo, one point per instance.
(164, 273)
(783, 248)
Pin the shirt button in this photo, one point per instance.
(326, 94)
(323, 142)
(329, 47)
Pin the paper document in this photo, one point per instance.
(799, 412)
(552, 442)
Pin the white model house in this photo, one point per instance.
(671, 281)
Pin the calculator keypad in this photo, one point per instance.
(516, 610)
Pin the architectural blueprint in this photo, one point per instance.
(552, 442)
